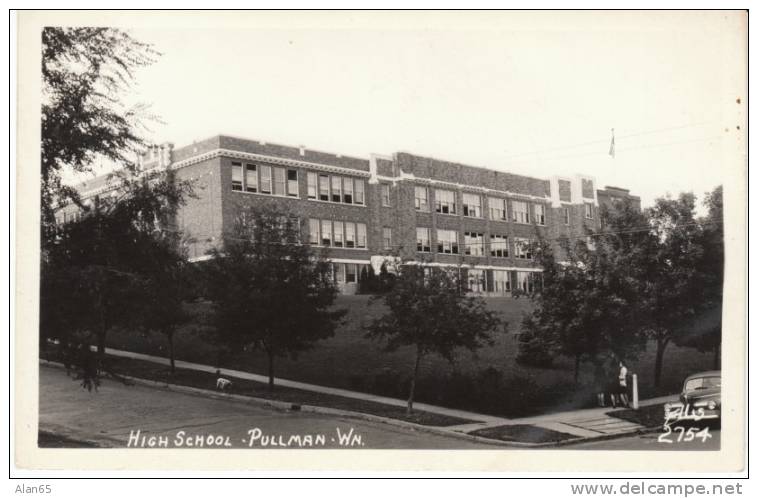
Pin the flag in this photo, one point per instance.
(612, 151)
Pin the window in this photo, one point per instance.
(566, 216)
(520, 212)
(472, 205)
(237, 176)
(498, 246)
(265, 179)
(347, 196)
(312, 185)
(539, 214)
(361, 230)
(326, 233)
(339, 273)
(422, 199)
(423, 240)
(525, 281)
(323, 187)
(476, 280)
(522, 248)
(292, 187)
(588, 211)
(500, 282)
(385, 195)
(359, 191)
(314, 236)
(338, 235)
(473, 243)
(351, 273)
(280, 181)
(447, 241)
(336, 189)
(251, 178)
(444, 201)
(349, 234)
(497, 209)
(386, 238)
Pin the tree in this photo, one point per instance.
(96, 273)
(270, 291)
(586, 307)
(430, 311)
(85, 72)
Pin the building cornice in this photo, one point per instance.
(249, 156)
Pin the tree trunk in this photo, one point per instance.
(576, 369)
(412, 392)
(270, 372)
(170, 336)
(661, 347)
(717, 356)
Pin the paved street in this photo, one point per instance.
(116, 410)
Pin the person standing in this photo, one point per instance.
(622, 387)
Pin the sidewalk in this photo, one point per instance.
(585, 423)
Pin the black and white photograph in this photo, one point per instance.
(519, 234)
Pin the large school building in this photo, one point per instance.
(367, 209)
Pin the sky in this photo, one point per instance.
(529, 94)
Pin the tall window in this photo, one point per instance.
(336, 189)
(501, 283)
(351, 273)
(386, 238)
(338, 234)
(265, 179)
(323, 187)
(472, 205)
(423, 240)
(497, 209)
(566, 216)
(360, 196)
(314, 230)
(326, 232)
(292, 187)
(539, 214)
(525, 281)
(385, 194)
(349, 234)
(237, 176)
(520, 211)
(339, 273)
(251, 178)
(347, 196)
(588, 211)
(312, 185)
(447, 241)
(422, 199)
(522, 248)
(361, 231)
(476, 280)
(498, 246)
(474, 243)
(444, 201)
(280, 181)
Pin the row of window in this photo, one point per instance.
(473, 244)
(349, 273)
(499, 282)
(445, 202)
(330, 233)
(336, 188)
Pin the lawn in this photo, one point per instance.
(523, 433)
(489, 381)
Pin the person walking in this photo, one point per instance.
(622, 386)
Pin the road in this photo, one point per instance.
(113, 413)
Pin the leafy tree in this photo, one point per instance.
(271, 292)
(85, 72)
(430, 311)
(97, 272)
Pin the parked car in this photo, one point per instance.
(700, 398)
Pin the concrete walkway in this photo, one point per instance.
(587, 423)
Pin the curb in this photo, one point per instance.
(286, 406)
